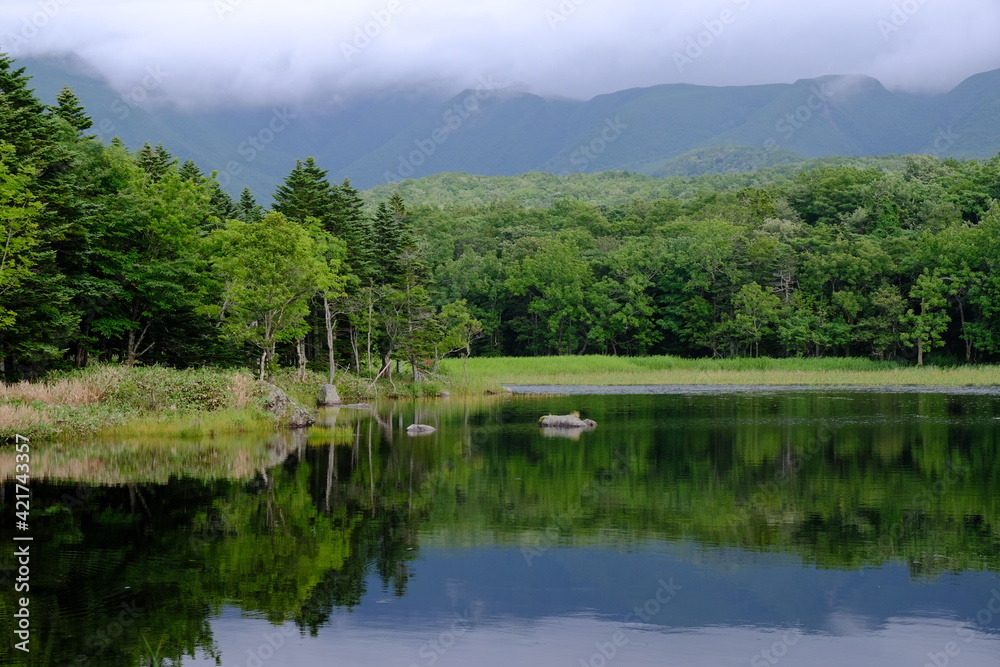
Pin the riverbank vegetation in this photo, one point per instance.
(492, 374)
(133, 257)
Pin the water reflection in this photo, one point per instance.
(821, 525)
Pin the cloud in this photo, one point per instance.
(256, 52)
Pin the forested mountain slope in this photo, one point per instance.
(393, 136)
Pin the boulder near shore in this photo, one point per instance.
(288, 412)
(328, 396)
(565, 421)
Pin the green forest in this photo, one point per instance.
(134, 256)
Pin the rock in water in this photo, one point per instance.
(328, 396)
(288, 412)
(565, 421)
(420, 429)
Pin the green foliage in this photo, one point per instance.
(69, 108)
(107, 256)
(269, 271)
(18, 233)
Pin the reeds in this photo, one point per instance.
(491, 373)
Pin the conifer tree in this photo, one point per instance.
(23, 121)
(46, 153)
(221, 204)
(189, 171)
(392, 240)
(306, 193)
(247, 208)
(154, 161)
(69, 108)
(352, 225)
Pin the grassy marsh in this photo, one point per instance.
(492, 373)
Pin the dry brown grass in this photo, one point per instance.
(19, 416)
(74, 391)
(243, 390)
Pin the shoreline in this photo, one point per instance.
(488, 374)
(676, 389)
(114, 401)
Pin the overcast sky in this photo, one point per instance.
(232, 52)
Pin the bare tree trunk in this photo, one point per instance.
(330, 336)
(300, 347)
(331, 467)
(354, 349)
(371, 309)
(132, 352)
(968, 342)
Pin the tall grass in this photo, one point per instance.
(83, 402)
(492, 373)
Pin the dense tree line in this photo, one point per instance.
(135, 256)
(836, 261)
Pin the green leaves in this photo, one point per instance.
(18, 234)
(269, 271)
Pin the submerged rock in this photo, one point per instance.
(420, 429)
(328, 396)
(288, 412)
(566, 421)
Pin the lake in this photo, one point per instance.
(753, 527)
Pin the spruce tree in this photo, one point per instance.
(352, 225)
(154, 161)
(221, 204)
(69, 108)
(189, 171)
(47, 153)
(247, 208)
(306, 193)
(24, 123)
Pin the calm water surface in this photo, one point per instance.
(734, 528)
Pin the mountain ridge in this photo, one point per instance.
(655, 130)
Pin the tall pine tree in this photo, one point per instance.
(306, 193)
(69, 108)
